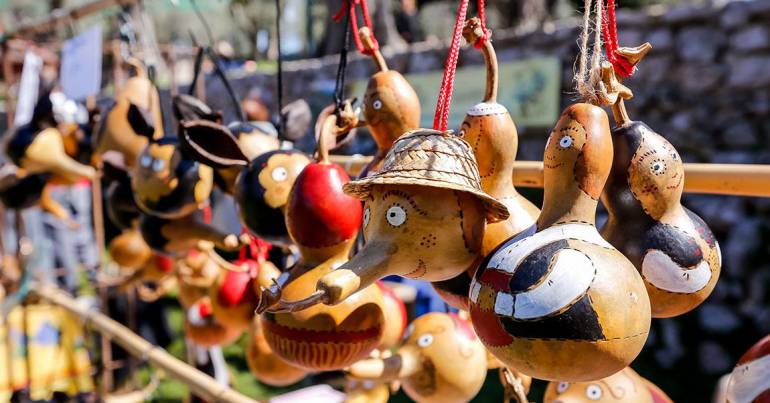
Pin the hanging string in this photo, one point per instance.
(588, 77)
(279, 74)
(610, 33)
(350, 7)
(441, 118)
(482, 18)
(339, 85)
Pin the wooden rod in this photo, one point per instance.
(198, 382)
(751, 180)
(65, 15)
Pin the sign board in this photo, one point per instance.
(28, 88)
(81, 64)
(530, 89)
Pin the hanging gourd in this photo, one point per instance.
(323, 222)
(750, 379)
(625, 386)
(196, 273)
(236, 291)
(264, 364)
(673, 249)
(129, 250)
(135, 113)
(489, 129)
(441, 360)
(204, 330)
(558, 302)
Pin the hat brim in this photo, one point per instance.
(361, 189)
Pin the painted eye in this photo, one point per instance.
(145, 161)
(658, 167)
(158, 165)
(377, 104)
(425, 340)
(565, 142)
(279, 174)
(367, 216)
(675, 156)
(562, 387)
(396, 216)
(593, 392)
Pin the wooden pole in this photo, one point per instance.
(64, 16)
(751, 180)
(198, 382)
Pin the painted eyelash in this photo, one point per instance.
(406, 197)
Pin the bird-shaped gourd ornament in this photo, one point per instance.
(673, 249)
(260, 179)
(133, 119)
(440, 360)
(323, 222)
(558, 302)
(625, 386)
(424, 216)
(264, 364)
(391, 106)
(236, 292)
(750, 380)
(489, 129)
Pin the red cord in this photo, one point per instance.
(482, 18)
(350, 7)
(441, 118)
(610, 34)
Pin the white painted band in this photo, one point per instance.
(662, 272)
(484, 109)
(749, 380)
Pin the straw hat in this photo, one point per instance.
(425, 157)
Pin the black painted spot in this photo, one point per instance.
(675, 243)
(702, 228)
(579, 322)
(535, 266)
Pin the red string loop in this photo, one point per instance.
(350, 7)
(258, 248)
(482, 18)
(610, 35)
(441, 118)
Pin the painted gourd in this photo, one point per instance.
(259, 180)
(750, 379)
(673, 249)
(323, 222)
(558, 302)
(424, 216)
(196, 273)
(440, 360)
(176, 237)
(166, 184)
(129, 250)
(234, 296)
(202, 328)
(490, 131)
(133, 120)
(625, 386)
(391, 106)
(264, 364)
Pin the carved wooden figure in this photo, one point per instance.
(259, 179)
(489, 129)
(391, 106)
(323, 222)
(625, 386)
(558, 302)
(441, 360)
(750, 379)
(673, 249)
(264, 364)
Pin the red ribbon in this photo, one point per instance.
(350, 7)
(610, 35)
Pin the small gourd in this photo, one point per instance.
(625, 386)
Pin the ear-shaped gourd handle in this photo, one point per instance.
(140, 121)
(211, 144)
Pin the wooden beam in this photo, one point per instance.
(64, 15)
(721, 179)
(199, 383)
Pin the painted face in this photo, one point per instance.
(656, 174)
(563, 147)
(168, 185)
(434, 234)
(391, 107)
(262, 192)
(624, 386)
(489, 129)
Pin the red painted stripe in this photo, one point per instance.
(322, 336)
(488, 327)
(497, 280)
